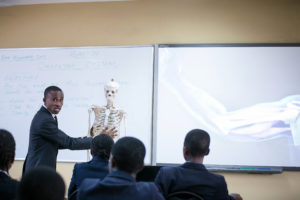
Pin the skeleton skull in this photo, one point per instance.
(111, 89)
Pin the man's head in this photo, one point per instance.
(7, 149)
(128, 155)
(196, 144)
(111, 89)
(53, 99)
(41, 183)
(101, 146)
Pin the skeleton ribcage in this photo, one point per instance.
(106, 118)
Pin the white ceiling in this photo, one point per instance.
(28, 2)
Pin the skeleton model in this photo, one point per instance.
(107, 116)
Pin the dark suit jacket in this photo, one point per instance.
(96, 168)
(45, 139)
(118, 185)
(8, 187)
(192, 177)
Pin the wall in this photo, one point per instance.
(161, 21)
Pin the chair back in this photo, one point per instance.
(184, 195)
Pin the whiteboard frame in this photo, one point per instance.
(89, 47)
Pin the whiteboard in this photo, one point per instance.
(246, 97)
(81, 73)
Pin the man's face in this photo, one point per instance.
(54, 101)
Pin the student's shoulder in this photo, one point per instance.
(14, 181)
(149, 189)
(213, 174)
(171, 169)
(6, 179)
(89, 183)
(8, 183)
(147, 186)
(216, 177)
(86, 186)
(81, 166)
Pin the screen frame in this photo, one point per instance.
(225, 168)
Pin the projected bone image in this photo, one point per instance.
(258, 122)
(248, 99)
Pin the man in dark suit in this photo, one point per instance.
(192, 176)
(45, 137)
(127, 158)
(8, 186)
(97, 167)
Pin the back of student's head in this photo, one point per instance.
(197, 142)
(7, 149)
(128, 154)
(101, 146)
(41, 183)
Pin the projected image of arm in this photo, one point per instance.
(258, 122)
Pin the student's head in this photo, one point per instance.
(196, 144)
(7, 149)
(128, 155)
(53, 99)
(101, 146)
(41, 183)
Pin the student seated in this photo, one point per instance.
(8, 186)
(96, 168)
(126, 160)
(41, 183)
(192, 176)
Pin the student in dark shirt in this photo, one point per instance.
(8, 186)
(126, 160)
(192, 176)
(95, 168)
(41, 183)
